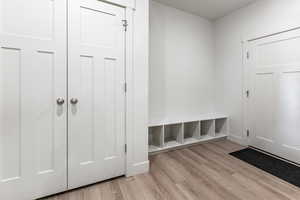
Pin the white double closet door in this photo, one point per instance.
(274, 101)
(62, 101)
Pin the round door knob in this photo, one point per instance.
(60, 101)
(74, 101)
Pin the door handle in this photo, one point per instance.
(60, 101)
(74, 101)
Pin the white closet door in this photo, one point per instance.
(96, 92)
(275, 94)
(32, 77)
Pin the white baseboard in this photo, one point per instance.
(138, 168)
(237, 139)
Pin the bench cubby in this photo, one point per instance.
(172, 134)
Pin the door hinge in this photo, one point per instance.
(248, 55)
(248, 132)
(247, 93)
(125, 87)
(125, 24)
(125, 148)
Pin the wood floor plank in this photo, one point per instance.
(200, 172)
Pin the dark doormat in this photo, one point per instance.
(279, 168)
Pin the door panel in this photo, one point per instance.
(278, 110)
(32, 76)
(263, 109)
(289, 114)
(96, 79)
(19, 18)
(10, 122)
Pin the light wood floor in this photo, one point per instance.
(202, 172)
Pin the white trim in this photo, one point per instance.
(136, 116)
(138, 168)
(266, 35)
(129, 94)
(245, 49)
(237, 139)
(123, 3)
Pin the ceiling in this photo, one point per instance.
(210, 9)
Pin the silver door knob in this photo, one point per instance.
(74, 101)
(60, 101)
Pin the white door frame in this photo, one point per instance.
(133, 166)
(137, 94)
(246, 46)
(129, 15)
(244, 92)
(129, 86)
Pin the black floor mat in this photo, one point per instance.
(279, 168)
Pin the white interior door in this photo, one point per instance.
(96, 92)
(32, 77)
(274, 104)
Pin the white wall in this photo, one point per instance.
(181, 64)
(261, 18)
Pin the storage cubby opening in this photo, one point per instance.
(173, 134)
(155, 139)
(221, 126)
(191, 131)
(207, 128)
